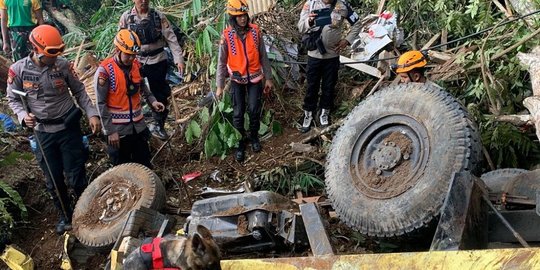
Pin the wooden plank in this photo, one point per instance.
(361, 67)
(444, 39)
(431, 41)
(380, 8)
(179, 90)
(502, 8)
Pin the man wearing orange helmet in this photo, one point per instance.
(18, 19)
(411, 67)
(120, 88)
(49, 82)
(155, 32)
(242, 57)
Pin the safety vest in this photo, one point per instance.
(243, 59)
(122, 108)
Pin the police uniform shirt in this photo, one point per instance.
(48, 90)
(168, 38)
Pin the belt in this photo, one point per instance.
(151, 53)
(22, 28)
(54, 121)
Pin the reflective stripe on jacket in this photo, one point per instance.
(118, 101)
(244, 60)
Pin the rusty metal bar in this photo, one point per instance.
(317, 236)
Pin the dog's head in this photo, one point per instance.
(203, 252)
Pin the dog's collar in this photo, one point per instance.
(156, 257)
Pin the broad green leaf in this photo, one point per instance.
(213, 31)
(267, 117)
(196, 7)
(212, 145)
(276, 128)
(204, 115)
(189, 134)
(207, 42)
(195, 128)
(15, 198)
(263, 129)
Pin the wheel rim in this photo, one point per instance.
(388, 156)
(116, 199)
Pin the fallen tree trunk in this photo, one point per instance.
(516, 120)
(66, 17)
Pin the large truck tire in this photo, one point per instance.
(391, 162)
(497, 179)
(103, 208)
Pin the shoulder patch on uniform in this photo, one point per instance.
(165, 22)
(11, 76)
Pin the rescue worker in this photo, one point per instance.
(155, 32)
(411, 67)
(18, 20)
(119, 89)
(323, 61)
(50, 82)
(242, 55)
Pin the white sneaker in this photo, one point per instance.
(306, 125)
(324, 119)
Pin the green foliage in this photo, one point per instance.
(11, 207)
(509, 146)
(498, 89)
(306, 177)
(11, 158)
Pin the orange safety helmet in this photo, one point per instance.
(46, 40)
(237, 7)
(127, 41)
(409, 61)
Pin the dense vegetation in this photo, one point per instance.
(497, 88)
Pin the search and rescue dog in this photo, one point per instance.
(197, 252)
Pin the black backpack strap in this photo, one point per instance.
(156, 18)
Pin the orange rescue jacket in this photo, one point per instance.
(243, 62)
(118, 101)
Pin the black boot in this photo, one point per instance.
(240, 154)
(64, 224)
(255, 143)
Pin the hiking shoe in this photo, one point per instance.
(62, 226)
(324, 119)
(160, 133)
(306, 124)
(256, 145)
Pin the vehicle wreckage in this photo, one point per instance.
(395, 166)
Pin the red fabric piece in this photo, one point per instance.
(157, 258)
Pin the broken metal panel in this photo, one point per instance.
(518, 258)
(259, 6)
(316, 233)
(463, 222)
(525, 222)
(248, 222)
